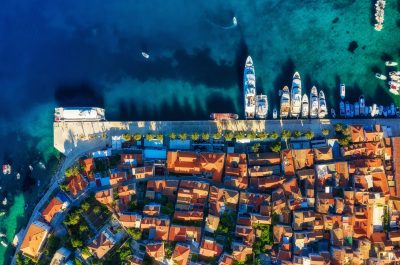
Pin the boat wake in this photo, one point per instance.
(233, 25)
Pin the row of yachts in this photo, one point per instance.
(293, 104)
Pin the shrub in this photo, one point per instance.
(274, 135)
(135, 233)
(172, 135)
(159, 136)
(325, 132)
(286, 134)
(251, 135)
(137, 136)
(297, 134)
(182, 136)
(339, 127)
(205, 136)
(262, 135)
(255, 148)
(309, 135)
(239, 135)
(72, 171)
(276, 147)
(195, 136)
(149, 136)
(127, 137)
(217, 136)
(228, 136)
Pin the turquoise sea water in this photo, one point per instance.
(89, 53)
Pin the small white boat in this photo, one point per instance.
(314, 105)
(4, 244)
(18, 176)
(347, 108)
(6, 169)
(375, 110)
(4, 202)
(261, 106)
(30, 167)
(380, 110)
(342, 91)
(333, 113)
(145, 55)
(394, 92)
(390, 63)
(380, 76)
(369, 109)
(394, 73)
(275, 114)
(393, 109)
(362, 105)
(2, 235)
(285, 103)
(356, 109)
(394, 83)
(305, 107)
(42, 165)
(342, 109)
(234, 21)
(322, 111)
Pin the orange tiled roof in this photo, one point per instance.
(129, 220)
(210, 248)
(181, 233)
(181, 254)
(34, 239)
(287, 162)
(54, 206)
(155, 250)
(117, 177)
(303, 158)
(76, 185)
(236, 165)
(357, 133)
(105, 197)
(264, 159)
(101, 245)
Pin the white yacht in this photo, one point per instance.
(275, 113)
(79, 114)
(249, 87)
(342, 91)
(285, 103)
(380, 76)
(389, 63)
(322, 111)
(380, 110)
(362, 105)
(375, 110)
(295, 107)
(305, 107)
(314, 105)
(261, 106)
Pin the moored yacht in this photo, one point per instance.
(314, 105)
(274, 113)
(362, 105)
(342, 109)
(322, 111)
(347, 109)
(295, 107)
(333, 113)
(342, 91)
(393, 109)
(356, 109)
(304, 107)
(261, 106)
(390, 63)
(285, 103)
(224, 116)
(375, 110)
(380, 110)
(249, 86)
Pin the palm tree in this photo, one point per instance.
(205, 136)
(309, 135)
(286, 134)
(274, 135)
(172, 135)
(325, 132)
(256, 148)
(239, 135)
(339, 127)
(149, 136)
(137, 136)
(195, 136)
(262, 135)
(251, 135)
(217, 136)
(276, 147)
(297, 134)
(126, 137)
(159, 136)
(228, 136)
(182, 136)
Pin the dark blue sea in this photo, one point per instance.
(88, 53)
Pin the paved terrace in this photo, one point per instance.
(69, 136)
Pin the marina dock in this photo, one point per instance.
(69, 136)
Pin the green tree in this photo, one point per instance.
(149, 136)
(339, 127)
(228, 136)
(72, 171)
(182, 136)
(343, 141)
(325, 132)
(286, 134)
(217, 136)
(172, 135)
(85, 251)
(251, 135)
(127, 137)
(77, 261)
(97, 209)
(135, 233)
(159, 136)
(64, 187)
(309, 135)
(83, 228)
(255, 148)
(72, 219)
(195, 136)
(85, 206)
(274, 135)
(205, 136)
(262, 135)
(297, 134)
(276, 147)
(137, 136)
(239, 135)
(76, 243)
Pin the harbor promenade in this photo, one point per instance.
(71, 136)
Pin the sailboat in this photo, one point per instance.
(314, 105)
(322, 112)
(295, 107)
(249, 87)
(285, 103)
(305, 107)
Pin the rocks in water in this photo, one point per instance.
(335, 20)
(363, 47)
(352, 46)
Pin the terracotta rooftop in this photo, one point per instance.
(323, 154)
(357, 133)
(34, 239)
(236, 165)
(105, 197)
(181, 233)
(76, 185)
(221, 199)
(132, 159)
(54, 206)
(102, 244)
(156, 250)
(287, 162)
(264, 159)
(210, 248)
(303, 158)
(181, 254)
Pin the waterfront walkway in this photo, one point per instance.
(69, 136)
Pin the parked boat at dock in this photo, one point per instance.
(342, 109)
(361, 100)
(285, 103)
(249, 86)
(322, 111)
(305, 107)
(314, 105)
(333, 113)
(6, 169)
(224, 116)
(380, 76)
(261, 106)
(351, 110)
(342, 91)
(380, 110)
(295, 107)
(379, 14)
(393, 109)
(347, 108)
(390, 63)
(275, 113)
(375, 110)
(356, 109)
